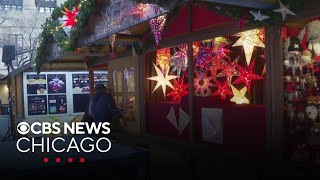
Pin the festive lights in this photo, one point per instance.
(179, 62)
(202, 84)
(223, 90)
(229, 70)
(202, 58)
(239, 97)
(216, 64)
(157, 26)
(144, 10)
(247, 75)
(163, 80)
(69, 17)
(249, 39)
(163, 58)
(180, 90)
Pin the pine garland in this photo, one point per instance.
(65, 42)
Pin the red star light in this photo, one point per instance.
(82, 160)
(179, 90)
(216, 64)
(58, 160)
(70, 160)
(202, 84)
(247, 75)
(45, 160)
(223, 90)
(229, 70)
(70, 17)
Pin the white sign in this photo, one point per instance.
(183, 120)
(212, 125)
(172, 117)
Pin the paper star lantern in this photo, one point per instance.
(229, 70)
(220, 42)
(179, 62)
(247, 76)
(249, 39)
(163, 80)
(239, 97)
(258, 16)
(196, 48)
(203, 56)
(111, 24)
(143, 10)
(284, 11)
(69, 17)
(216, 64)
(163, 58)
(157, 26)
(223, 90)
(202, 84)
(180, 90)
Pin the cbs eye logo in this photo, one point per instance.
(23, 128)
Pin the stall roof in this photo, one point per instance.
(259, 4)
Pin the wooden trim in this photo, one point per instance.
(142, 95)
(91, 80)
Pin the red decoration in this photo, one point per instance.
(247, 75)
(229, 70)
(202, 84)
(179, 90)
(157, 26)
(243, 21)
(216, 64)
(223, 90)
(70, 17)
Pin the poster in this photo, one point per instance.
(36, 84)
(37, 105)
(57, 104)
(172, 118)
(101, 78)
(212, 126)
(56, 83)
(80, 83)
(183, 120)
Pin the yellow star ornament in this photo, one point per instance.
(249, 39)
(239, 97)
(163, 80)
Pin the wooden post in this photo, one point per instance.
(142, 104)
(91, 80)
(274, 92)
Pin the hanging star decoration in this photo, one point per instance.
(163, 58)
(157, 26)
(111, 24)
(112, 39)
(163, 80)
(249, 40)
(143, 11)
(239, 97)
(220, 42)
(247, 75)
(196, 48)
(258, 16)
(223, 90)
(284, 11)
(202, 84)
(219, 49)
(216, 64)
(202, 59)
(179, 62)
(180, 90)
(69, 17)
(229, 70)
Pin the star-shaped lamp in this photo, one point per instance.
(239, 97)
(163, 80)
(162, 59)
(202, 84)
(247, 76)
(284, 11)
(223, 90)
(249, 39)
(229, 70)
(258, 16)
(69, 17)
(180, 89)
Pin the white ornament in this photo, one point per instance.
(258, 16)
(284, 11)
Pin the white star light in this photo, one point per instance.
(162, 80)
(258, 16)
(284, 11)
(249, 39)
(239, 97)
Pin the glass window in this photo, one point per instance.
(7, 7)
(41, 9)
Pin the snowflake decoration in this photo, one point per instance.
(202, 84)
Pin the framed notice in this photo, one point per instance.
(36, 84)
(37, 105)
(101, 78)
(212, 125)
(56, 83)
(57, 104)
(80, 83)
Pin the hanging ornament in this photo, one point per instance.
(180, 90)
(143, 11)
(163, 59)
(223, 90)
(220, 42)
(163, 80)
(249, 39)
(112, 40)
(239, 97)
(179, 62)
(196, 48)
(202, 58)
(69, 17)
(229, 70)
(216, 64)
(202, 84)
(111, 24)
(157, 26)
(258, 16)
(284, 11)
(247, 75)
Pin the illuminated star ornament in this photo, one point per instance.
(247, 75)
(69, 17)
(157, 26)
(239, 97)
(163, 58)
(223, 90)
(179, 90)
(202, 84)
(202, 59)
(216, 64)
(111, 24)
(229, 70)
(284, 11)
(144, 10)
(163, 80)
(179, 62)
(249, 40)
(258, 16)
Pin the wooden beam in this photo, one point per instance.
(244, 3)
(105, 59)
(91, 80)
